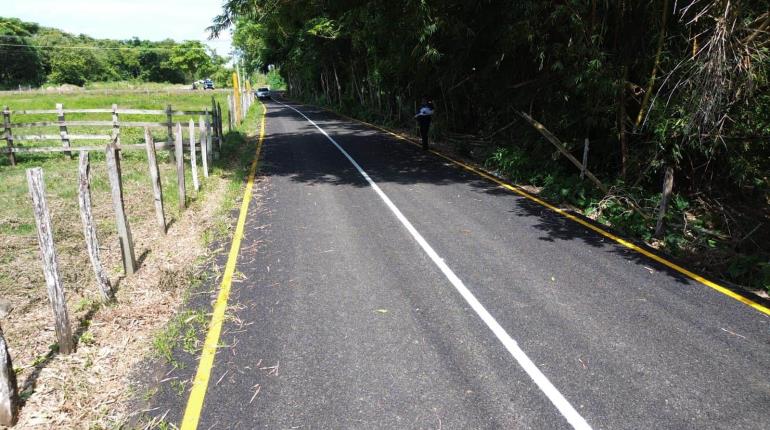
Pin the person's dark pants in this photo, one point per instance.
(424, 127)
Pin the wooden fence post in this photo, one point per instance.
(585, 159)
(220, 127)
(229, 113)
(89, 228)
(9, 394)
(208, 131)
(121, 220)
(157, 190)
(204, 137)
(214, 113)
(115, 123)
(193, 157)
(205, 147)
(8, 134)
(170, 126)
(50, 261)
(668, 186)
(179, 147)
(65, 140)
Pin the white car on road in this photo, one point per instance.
(263, 93)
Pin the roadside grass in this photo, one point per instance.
(184, 334)
(181, 340)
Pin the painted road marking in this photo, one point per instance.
(558, 400)
(201, 382)
(671, 265)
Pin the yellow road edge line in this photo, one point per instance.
(192, 412)
(713, 285)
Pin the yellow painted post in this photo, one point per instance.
(237, 98)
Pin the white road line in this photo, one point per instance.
(558, 400)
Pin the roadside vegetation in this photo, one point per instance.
(59, 391)
(677, 87)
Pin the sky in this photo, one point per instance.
(123, 19)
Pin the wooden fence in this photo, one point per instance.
(210, 135)
(112, 128)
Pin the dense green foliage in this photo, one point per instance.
(34, 55)
(653, 84)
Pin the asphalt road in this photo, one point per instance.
(341, 318)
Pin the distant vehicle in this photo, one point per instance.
(263, 93)
(208, 84)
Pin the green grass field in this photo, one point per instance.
(140, 99)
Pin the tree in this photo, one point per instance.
(655, 85)
(192, 59)
(75, 67)
(19, 65)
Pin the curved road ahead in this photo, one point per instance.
(421, 296)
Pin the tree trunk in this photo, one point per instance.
(656, 65)
(339, 87)
(622, 137)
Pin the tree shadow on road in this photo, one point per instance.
(306, 156)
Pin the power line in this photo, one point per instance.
(85, 47)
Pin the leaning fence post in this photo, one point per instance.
(8, 134)
(170, 126)
(50, 261)
(121, 220)
(157, 190)
(9, 394)
(193, 157)
(179, 147)
(65, 140)
(89, 228)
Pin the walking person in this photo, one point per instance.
(423, 117)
